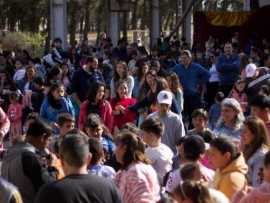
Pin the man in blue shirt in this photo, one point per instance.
(192, 76)
(228, 67)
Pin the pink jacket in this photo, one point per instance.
(138, 184)
(15, 112)
(105, 114)
(256, 195)
(4, 126)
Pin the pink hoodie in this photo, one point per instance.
(260, 194)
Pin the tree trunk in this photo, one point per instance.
(134, 16)
(87, 20)
(73, 6)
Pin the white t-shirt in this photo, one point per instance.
(175, 177)
(161, 158)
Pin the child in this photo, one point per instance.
(15, 117)
(238, 93)
(159, 154)
(261, 194)
(96, 129)
(230, 166)
(215, 110)
(119, 105)
(96, 165)
(66, 122)
(199, 121)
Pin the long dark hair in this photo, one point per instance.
(56, 104)
(116, 76)
(134, 148)
(53, 72)
(140, 64)
(93, 92)
(260, 136)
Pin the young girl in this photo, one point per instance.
(96, 104)
(238, 93)
(192, 192)
(15, 117)
(66, 77)
(96, 165)
(55, 103)
(255, 145)
(121, 73)
(119, 105)
(177, 90)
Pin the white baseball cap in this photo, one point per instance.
(250, 70)
(165, 97)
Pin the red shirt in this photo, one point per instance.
(128, 116)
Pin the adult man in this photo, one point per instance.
(228, 67)
(260, 107)
(174, 128)
(24, 166)
(191, 75)
(84, 78)
(77, 186)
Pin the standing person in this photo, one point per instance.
(191, 76)
(215, 110)
(25, 84)
(19, 70)
(231, 119)
(174, 128)
(159, 154)
(228, 67)
(192, 149)
(137, 180)
(84, 79)
(77, 186)
(15, 116)
(177, 90)
(213, 83)
(260, 106)
(255, 144)
(238, 93)
(55, 103)
(121, 73)
(4, 127)
(139, 80)
(230, 166)
(96, 104)
(119, 105)
(23, 163)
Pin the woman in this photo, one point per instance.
(177, 90)
(121, 73)
(55, 103)
(96, 104)
(231, 119)
(119, 105)
(255, 145)
(66, 75)
(137, 180)
(6, 85)
(140, 78)
(192, 192)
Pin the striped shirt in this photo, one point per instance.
(138, 184)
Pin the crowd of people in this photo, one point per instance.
(119, 124)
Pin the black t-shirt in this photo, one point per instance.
(79, 189)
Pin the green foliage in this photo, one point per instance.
(33, 43)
